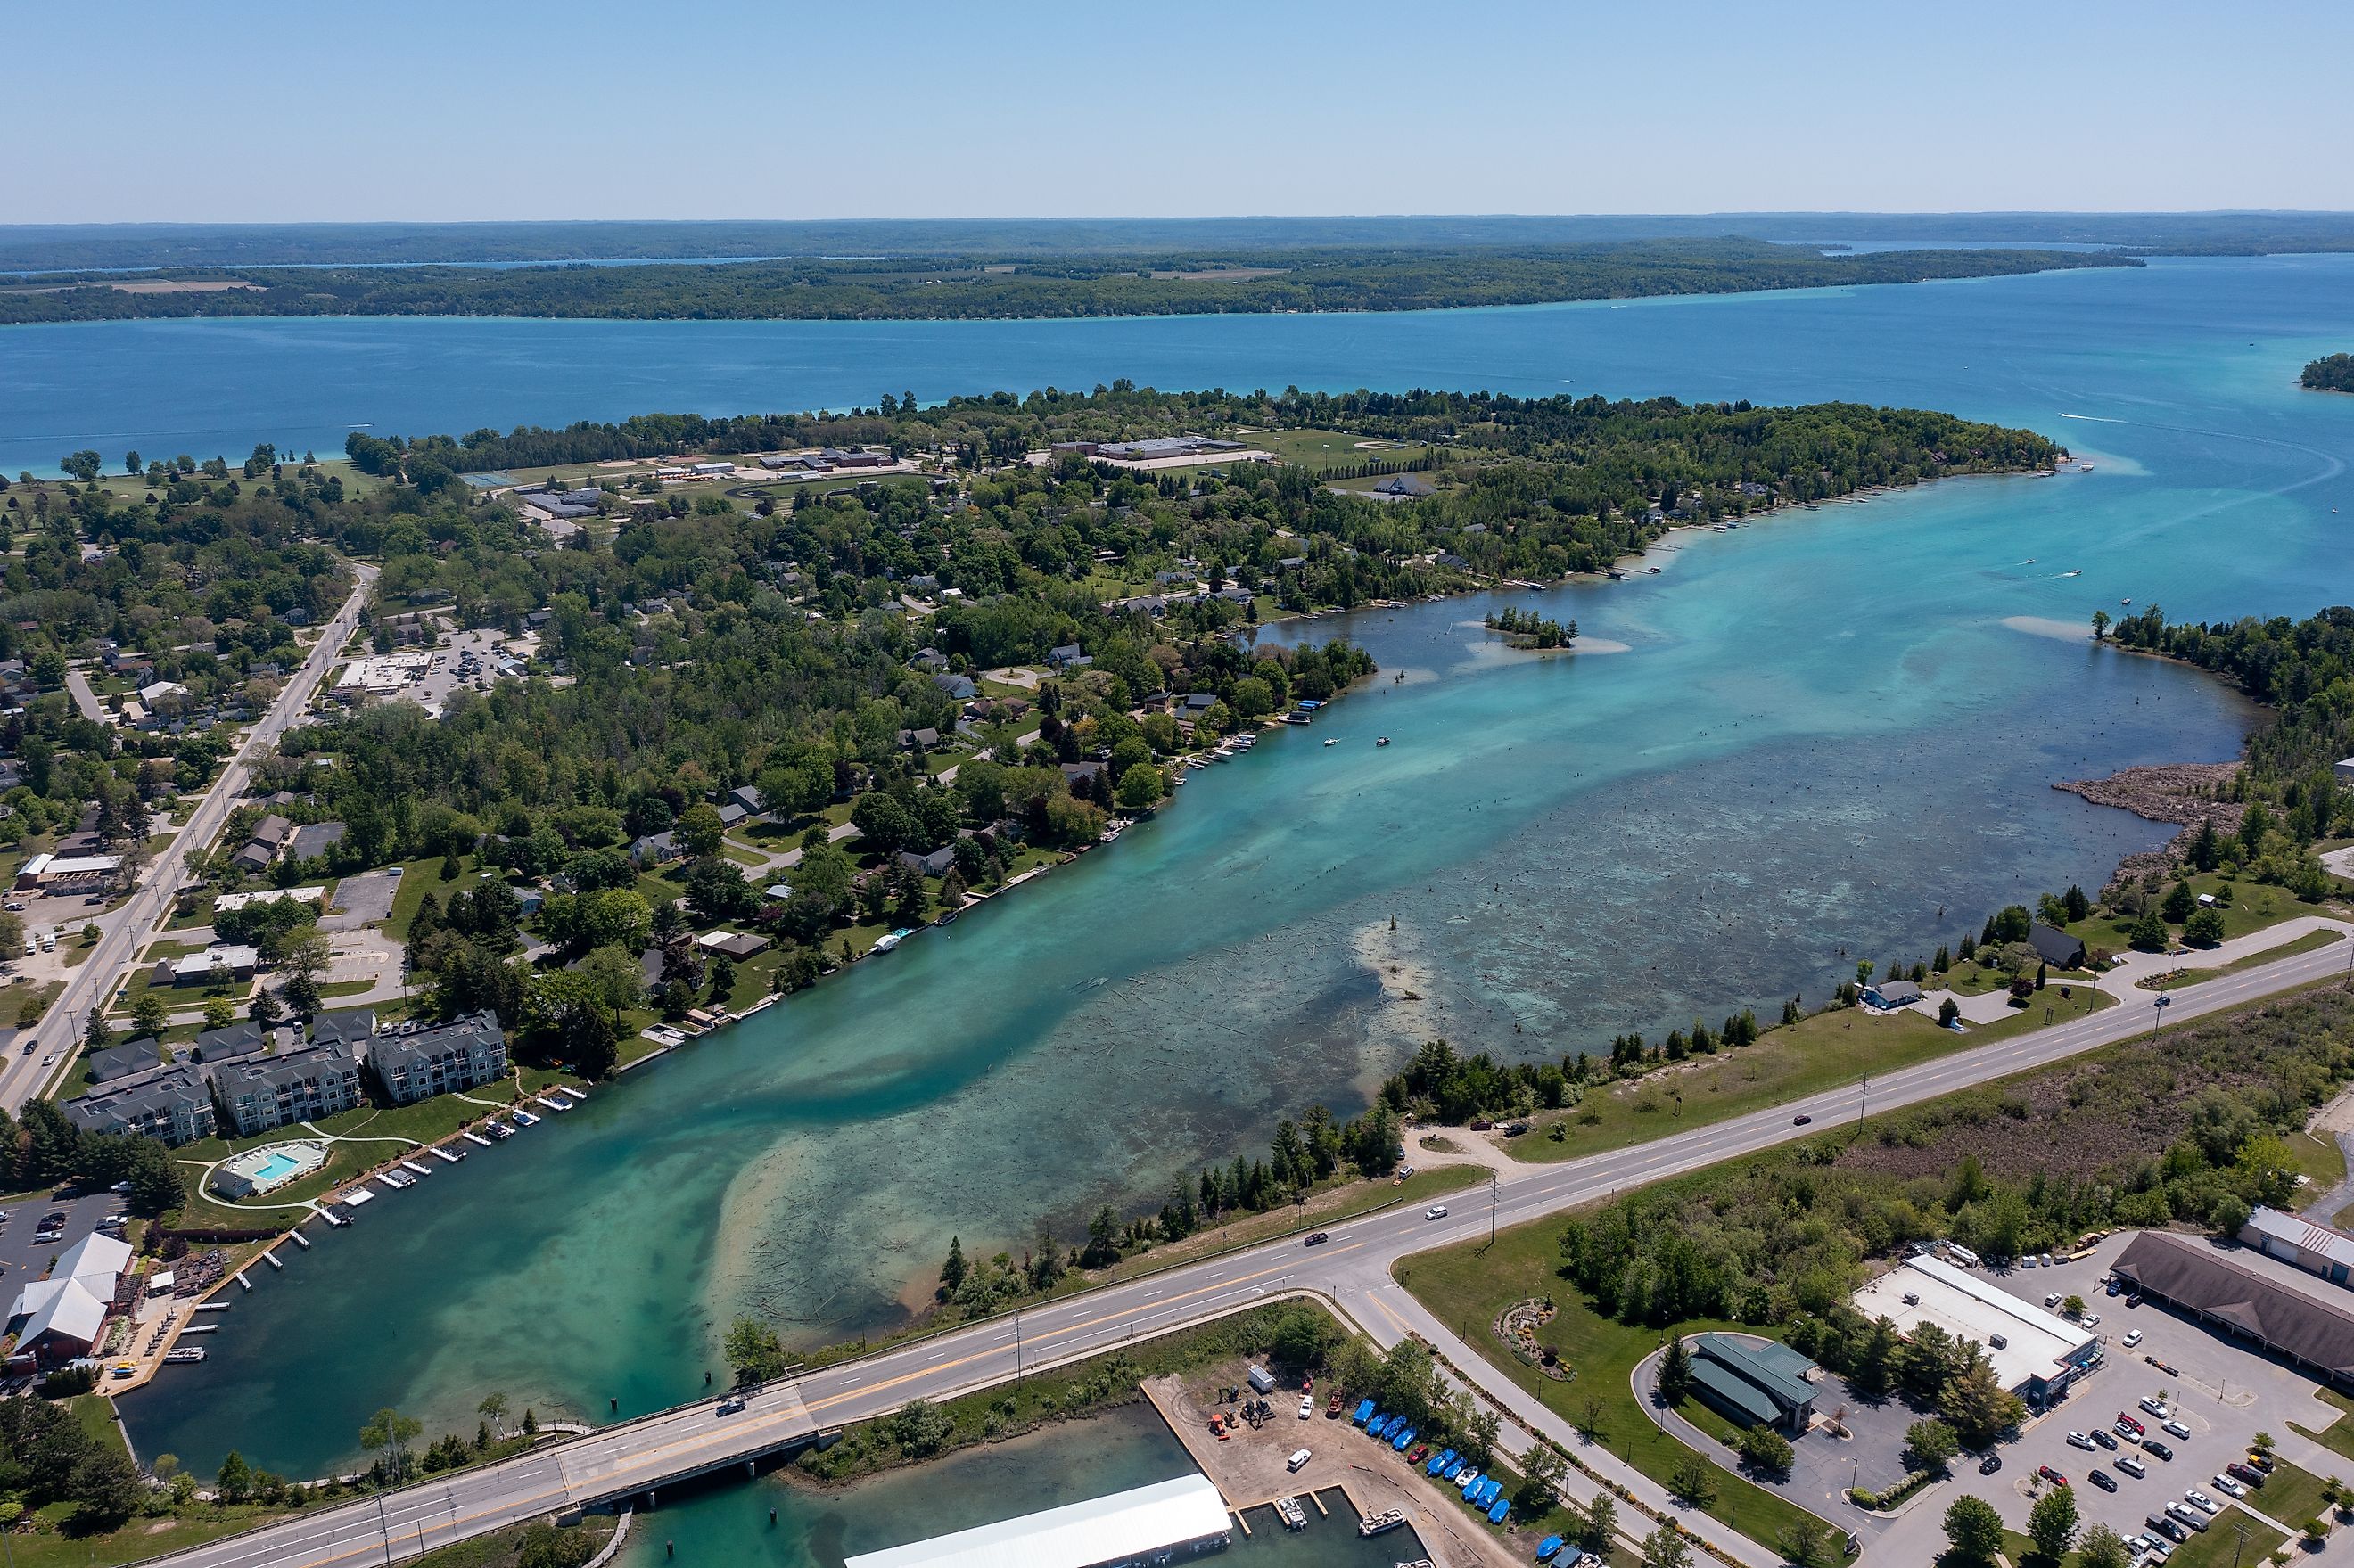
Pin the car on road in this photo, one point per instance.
(731, 1405)
(2132, 1466)
(1801, 1120)
(1317, 1238)
(2101, 1479)
(2152, 1446)
(2228, 1487)
(50, 1059)
(2049, 1474)
(2179, 1429)
(1436, 1211)
(1991, 1464)
(2102, 1435)
(2078, 1440)
(2132, 1339)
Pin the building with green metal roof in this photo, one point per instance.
(1756, 1382)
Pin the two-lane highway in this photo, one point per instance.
(1353, 1270)
(124, 932)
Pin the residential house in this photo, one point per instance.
(919, 740)
(229, 1043)
(958, 688)
(1069, 657)
(732, 943)
(654, 848)
(167, 1104)
(748, 796)
(2058, 948)
(124, 1060)
(1889, 994)
(937, 862)
(257, 1093)
(463, 1055)
(351, 1026)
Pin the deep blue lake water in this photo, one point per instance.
(1823, 730)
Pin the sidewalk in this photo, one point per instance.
(1388, 1313)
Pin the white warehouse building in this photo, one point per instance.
(2034, 1353)
(1161, 1523)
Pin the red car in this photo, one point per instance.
(2049, 1474)
(2124, 1420)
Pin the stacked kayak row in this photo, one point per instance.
(1484, 1493)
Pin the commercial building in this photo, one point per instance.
(1755, 1382)
(227, 962)
(2299, 1241)
(2235, 1293)
(61, 1317)
(68, 874)
(1163, 447)
(465, 1054)
(2035, 1354)
(1158, 1524)
(257, 1093)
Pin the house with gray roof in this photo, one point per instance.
(167, 1104)
(463, 1055)
(257, 1093)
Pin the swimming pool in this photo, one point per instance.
(263, 1170)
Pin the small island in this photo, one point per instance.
(2333, 373)
(1527, 629)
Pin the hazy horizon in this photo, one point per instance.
(535, 111)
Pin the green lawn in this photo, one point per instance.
(135, 1542)
(2255, 906)
(1331, 448)
(1469, 1287)
(1788, 1063)
(2287, 949)
(96, 1414)
(427, 1121)
(2221, 1546)
(417, 878)
(2319, 1160)
(2291, 1494)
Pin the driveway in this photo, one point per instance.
(1823, 1466)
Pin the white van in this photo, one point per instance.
(1298, 1458)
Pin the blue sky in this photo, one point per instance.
(265, 111)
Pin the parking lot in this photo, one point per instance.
(2223, 1391)
(22, 1261)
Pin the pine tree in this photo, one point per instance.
(1675, 1371)
(953, 1271)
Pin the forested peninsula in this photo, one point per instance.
(984, 286)
(2332, 372)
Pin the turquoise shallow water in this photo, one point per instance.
(1822, 730)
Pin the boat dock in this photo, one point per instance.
(1250, 1472)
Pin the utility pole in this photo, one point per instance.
(1017, 1347)
(2157, 1014)
(386, 1526)
(1491, 1208)
(1862, 1100)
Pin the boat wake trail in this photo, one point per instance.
(2097, 418)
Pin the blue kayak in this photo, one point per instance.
(1496, 1515)
(1438, 1462)
(1364, 1412)
(1398, 1443)
(1547, 1547)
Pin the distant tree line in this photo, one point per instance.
(972, 287)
